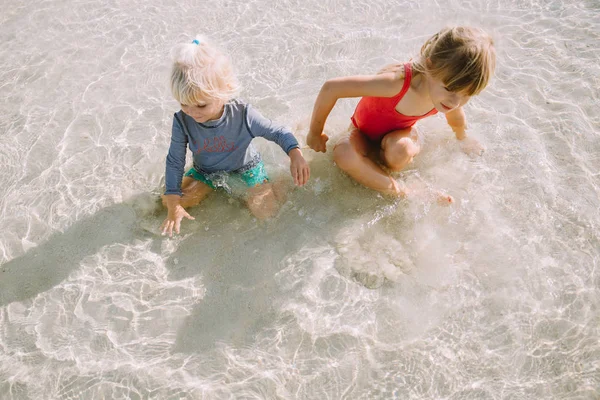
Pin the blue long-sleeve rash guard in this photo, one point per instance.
(221, 145)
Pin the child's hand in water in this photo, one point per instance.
(471, 147)
(299, 167)
(173, 220)
(317, 142)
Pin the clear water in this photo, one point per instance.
(346, 295)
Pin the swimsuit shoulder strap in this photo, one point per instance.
(407, 79)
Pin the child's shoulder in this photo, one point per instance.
(242, 107)
(397, 70)
(237, 103)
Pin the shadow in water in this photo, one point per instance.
(48, 264)
(237, 259)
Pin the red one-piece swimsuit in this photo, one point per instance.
(377, 116)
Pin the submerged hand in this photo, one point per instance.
(471, 147)
(299, 167)
(173, 220)
(317, 142)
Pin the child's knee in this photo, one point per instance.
(400, 153)
(262, 202)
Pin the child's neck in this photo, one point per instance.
(218, 115)
(419, 85)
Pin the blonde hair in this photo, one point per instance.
(201, 71)
(463, 58)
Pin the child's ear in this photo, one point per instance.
(428, 63)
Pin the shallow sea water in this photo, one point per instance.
(346, 295)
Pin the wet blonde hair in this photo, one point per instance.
(201, 71)
(463, 58)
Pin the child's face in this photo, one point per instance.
(444, 100)
(206, 110)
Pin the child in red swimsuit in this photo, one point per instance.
(454, 64)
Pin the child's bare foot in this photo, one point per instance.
(402, 191)
(444, 199)
(396, 189)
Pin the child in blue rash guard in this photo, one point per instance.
(218, 130)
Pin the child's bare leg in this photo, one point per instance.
(352, 155)
(193, 191)
(398, 149)
(262, 201)
(280, 188)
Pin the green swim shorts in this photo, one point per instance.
(251, 177)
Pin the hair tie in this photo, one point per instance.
(195, 41)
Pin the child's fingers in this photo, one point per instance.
(164, 227)
(324, 143)
(293, 172)
(168, 229)
(302, 177)
(188, 216)
(177, 225)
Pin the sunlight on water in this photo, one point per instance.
(346, 295)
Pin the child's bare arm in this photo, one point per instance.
(458, 122)
(263, 127)
(381, 85)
